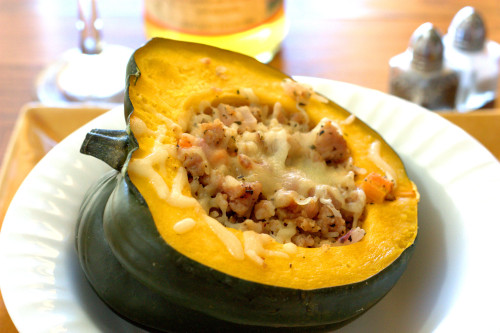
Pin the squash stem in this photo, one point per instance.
(110, 146)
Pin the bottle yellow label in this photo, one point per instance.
(210, 17)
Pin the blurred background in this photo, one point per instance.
(350, 41)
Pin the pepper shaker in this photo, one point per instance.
(419, 74)
(474, 58)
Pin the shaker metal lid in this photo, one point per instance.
(468, 30)
(426, 47)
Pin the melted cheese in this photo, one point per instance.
(356, 206)
(145, 168)
(277, 172)
(184, 225)
(277, 146)
(381, 163)
(255, 247)
(250, 95)
(290, 248)
(286, 233)
(139, 127)
(176, 128)
(176, 197)
(279, 160)
(232, 242)
(314, 173)
(349, 120)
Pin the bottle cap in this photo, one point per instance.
(468, 30)
(427, 48)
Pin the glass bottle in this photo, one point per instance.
(475, 58)
(418, 74)
(252, 27)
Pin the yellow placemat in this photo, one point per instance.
(484, 125)
(37, 130)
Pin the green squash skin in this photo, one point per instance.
(136, 244)
(131, 299)
(115, 286)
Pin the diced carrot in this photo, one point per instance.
(218, 157)
(185, 141)
(376, 187)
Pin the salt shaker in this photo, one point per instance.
(475, 58)
(419, 75)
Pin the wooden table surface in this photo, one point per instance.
(349, 41)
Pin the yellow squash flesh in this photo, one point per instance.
(175, 79)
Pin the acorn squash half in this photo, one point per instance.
(204, 270)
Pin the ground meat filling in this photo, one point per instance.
(258, 167)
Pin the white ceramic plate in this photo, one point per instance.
(451, 284)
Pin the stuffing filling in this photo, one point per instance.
(261, 168)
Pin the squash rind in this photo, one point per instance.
(135, 242)
(206, 289)
(174, 81)
(119, 288)
(116, 286)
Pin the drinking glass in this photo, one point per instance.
(92, 73)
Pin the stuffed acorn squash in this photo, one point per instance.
(241, 199)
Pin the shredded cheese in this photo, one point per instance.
(349, 120)
(290, 248)
(284, 155)
(236, 151)
(170, 124)
(145, 168)
(176, 197)
(232, 242)
(255, 247)
(286, 232)
(250, 95)
(139, 127)
(380, 162)
(184, 225)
